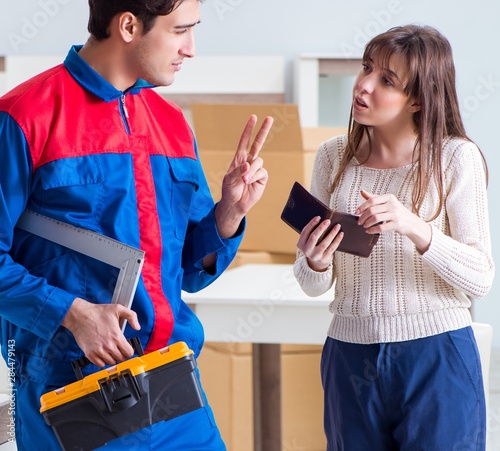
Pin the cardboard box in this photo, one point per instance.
(254, 257)
(7, 430)
(302, 400)
(312, 137)
(226, 377)
(288, 157)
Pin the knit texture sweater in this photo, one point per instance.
(399, 294)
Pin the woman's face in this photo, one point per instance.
(379, 99)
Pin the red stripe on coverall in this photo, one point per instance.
(151, 243)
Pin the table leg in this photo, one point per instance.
(267, 396)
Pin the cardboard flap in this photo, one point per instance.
(313, 136)
(219, 126)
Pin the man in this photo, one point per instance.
(89, 143)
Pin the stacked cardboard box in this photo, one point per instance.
(226, 368)
(226, 375)
(7, 432)
(288, 157)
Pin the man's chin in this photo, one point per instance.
(160, 81)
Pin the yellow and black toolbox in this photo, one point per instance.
(124, 398)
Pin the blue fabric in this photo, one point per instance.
(94, 82)
(24, 298)
(424, 394)
(194, 431)
(39, 280)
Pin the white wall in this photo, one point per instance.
(291, 27)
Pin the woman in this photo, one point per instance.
(400, 366)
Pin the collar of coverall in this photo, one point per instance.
(93, 82)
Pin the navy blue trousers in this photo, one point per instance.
(424, 394)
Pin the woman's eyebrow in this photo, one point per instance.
(385, 69)
(391, 72)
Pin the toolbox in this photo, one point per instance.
(124, 398)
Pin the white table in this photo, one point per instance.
(263, 305)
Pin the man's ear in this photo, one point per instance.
(129, 26)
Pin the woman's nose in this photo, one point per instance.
(366, 82)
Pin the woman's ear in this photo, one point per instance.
(414, 107)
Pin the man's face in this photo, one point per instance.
(158, 55)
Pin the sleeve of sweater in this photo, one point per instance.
(315, 283)
(463, 257)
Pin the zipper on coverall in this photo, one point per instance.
(124, 113)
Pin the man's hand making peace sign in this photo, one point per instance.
(245, 180)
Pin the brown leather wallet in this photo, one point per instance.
(302, 206)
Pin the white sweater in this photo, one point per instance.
(398, 294)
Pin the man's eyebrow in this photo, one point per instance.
(188, 25)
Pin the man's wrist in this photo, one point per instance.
(227, 220)
(72, 314)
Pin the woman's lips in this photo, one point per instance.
(359, 104)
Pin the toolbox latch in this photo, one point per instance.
(120, 391)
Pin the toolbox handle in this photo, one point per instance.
(82, 362)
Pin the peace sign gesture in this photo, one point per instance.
(245, 180)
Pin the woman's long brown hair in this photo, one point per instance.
(431, 82)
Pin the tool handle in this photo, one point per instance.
(82, 362)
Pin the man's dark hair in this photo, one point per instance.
(103, 11)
